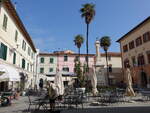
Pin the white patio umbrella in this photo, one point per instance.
(129, 89)
(94, 81)
(8, 73)
(58, 81)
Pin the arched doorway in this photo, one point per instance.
(144, 79)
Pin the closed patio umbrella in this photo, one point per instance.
(58, 81)
(94, 81)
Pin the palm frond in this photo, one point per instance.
(79, 40)
(88, 12)
(105, 42)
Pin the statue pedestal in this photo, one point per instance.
(100, 73)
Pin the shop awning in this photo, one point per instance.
(67, 73)
(8, 73)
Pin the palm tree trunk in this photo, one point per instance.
(107, 68)
(79, 54)
(87, 47)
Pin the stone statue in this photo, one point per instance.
(129, 89)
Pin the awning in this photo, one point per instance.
(68, 73)
(8, 73)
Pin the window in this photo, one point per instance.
(16, 36)
(148, 56)
(109, 58)
(50, 69)
(51, 60)
(76, 58)
(125, 48)
(138, 41)
(42, 60)
(14, 58)
(32, 55)
(65, 58)
(131, 45)
(110, 68)
(29, 51)
(66, 69)
(28, 66)
(146, 37)
(5, 20)
(141, 60)
(31, 67)
(24, 45)
(126, 62)
(42, 70)
(23, 63)
(133, 61)
(3, 51)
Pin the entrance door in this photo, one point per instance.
(143, 79)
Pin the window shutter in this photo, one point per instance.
(5, 22)
(14, 58)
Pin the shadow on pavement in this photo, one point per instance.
(96, 110)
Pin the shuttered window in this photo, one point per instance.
(3, 51)
(23, 63)
(41, 70)
(42, 60)
(5, 22)
(14, 58)
(51, 60)
(16, 36)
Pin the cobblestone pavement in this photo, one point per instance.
(21, 105)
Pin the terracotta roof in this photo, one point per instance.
(19, 23)
(132, 30)
(115, 54)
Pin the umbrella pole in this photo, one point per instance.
(12, 85)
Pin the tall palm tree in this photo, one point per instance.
(87, 12)
(79, 40)
(105, 43)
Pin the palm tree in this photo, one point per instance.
(105, 42)
(87, 12)
(78, 40)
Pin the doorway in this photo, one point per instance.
(143, 80)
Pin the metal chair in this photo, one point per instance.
(32, 103)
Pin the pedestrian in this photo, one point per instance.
(52, 93)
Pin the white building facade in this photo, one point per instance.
(16, 47)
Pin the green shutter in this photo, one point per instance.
(51, 60)
(16, 35)
(5, 22)
(23, 63)
(0, 51)
(50, 69)
(41, 70)
(14, 58)
(3, 51)
(42, 60)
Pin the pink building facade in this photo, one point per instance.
(66, 61)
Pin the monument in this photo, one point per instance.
(99, 67)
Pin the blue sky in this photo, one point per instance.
(53, 24)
